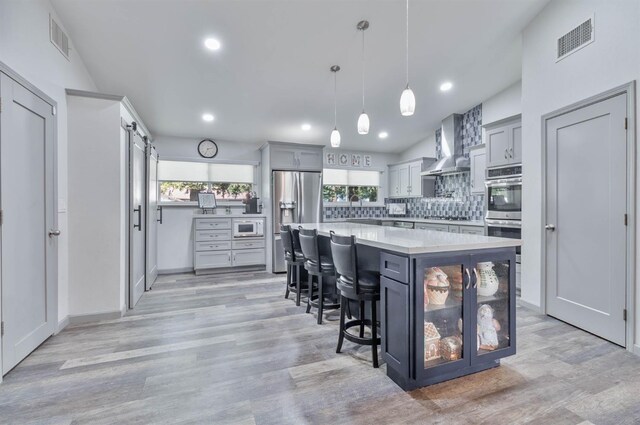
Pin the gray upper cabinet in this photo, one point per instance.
(287, 156)
(503, 141)
(478, 160)
(405, 180)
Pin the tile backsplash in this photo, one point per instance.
(453, 198)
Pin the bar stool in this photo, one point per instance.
(356, 285)
(320, 266)
(294, 260)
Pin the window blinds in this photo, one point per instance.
(204, 172)
(337, 177)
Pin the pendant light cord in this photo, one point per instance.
(407, 42)
(363, 70)
(335, 100)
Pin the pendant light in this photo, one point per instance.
(407, 99)
(335, 134)
(363, 119)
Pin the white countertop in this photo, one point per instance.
(476, 223)
(412, 241)
(234, 215)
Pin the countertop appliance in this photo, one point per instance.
(503, 195)
(297, 198)
(248, 228)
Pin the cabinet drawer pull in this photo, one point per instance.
(506, 153)
(475, 273)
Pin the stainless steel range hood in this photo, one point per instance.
(452, 160)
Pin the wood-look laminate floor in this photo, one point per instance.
(231, 350)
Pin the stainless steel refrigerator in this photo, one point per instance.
(297, 198)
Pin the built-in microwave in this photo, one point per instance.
(248, 228)
(504, 193)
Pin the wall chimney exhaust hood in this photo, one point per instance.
(452, 160)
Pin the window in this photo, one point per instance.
(350, 185)
(181, 181)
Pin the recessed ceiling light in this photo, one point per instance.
(383, 135)
(207, 117)
(212, 44)
(306, 127)
(446, 86)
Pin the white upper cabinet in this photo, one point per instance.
(405, 180)
(296, 157)
(504, 142)
(478, 159)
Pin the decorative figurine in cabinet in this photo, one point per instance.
(431, 342)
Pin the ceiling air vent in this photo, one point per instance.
(576, 39)
(58, 37)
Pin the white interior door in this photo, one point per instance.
(586, 206)
(137, 225)
(29, 254)
(153, 215)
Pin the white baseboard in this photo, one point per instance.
(529, 306)
(94, 317)
(636, 350)
(176, 271)
(61, 325)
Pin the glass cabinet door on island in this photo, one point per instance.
(494, 304)
(441, 299)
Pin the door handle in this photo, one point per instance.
(550, 227)
(511, 152)
(54, 232)
(475, 273)
(160, 210)
(139, 225)
(506, 153)
(468, 278)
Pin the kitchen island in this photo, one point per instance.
(447, 300)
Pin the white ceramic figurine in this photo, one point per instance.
(488, 328)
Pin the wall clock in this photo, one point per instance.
(208, 148)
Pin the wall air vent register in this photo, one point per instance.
(576, 39)
(58, 37)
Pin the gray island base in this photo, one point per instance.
(447, 300)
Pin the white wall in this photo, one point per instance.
(505, 104)
(25, 47)
(612, 60)
(424, 148)
(171, 147)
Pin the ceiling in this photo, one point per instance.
(272, 72)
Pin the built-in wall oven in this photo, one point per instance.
(504, 193)
(504, 229)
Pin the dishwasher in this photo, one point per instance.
(403, 224)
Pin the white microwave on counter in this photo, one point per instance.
(248, 228)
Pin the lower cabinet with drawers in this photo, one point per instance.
(451, 228)
(214, 247)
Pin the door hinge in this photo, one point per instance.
(1, 217)
(626, 220)
(2, 329)
(625, 123)
(624, 314)
(0, 105)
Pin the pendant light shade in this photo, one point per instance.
(407, 98)
(363, 119)
(335, 138)
(335, 134)
(363, 123)
(407, 102)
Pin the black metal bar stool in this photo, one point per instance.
(320, 266)
(356, 285)
(294, 260)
